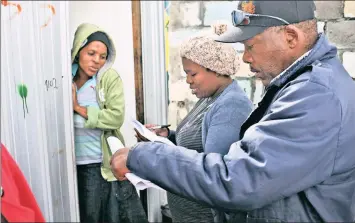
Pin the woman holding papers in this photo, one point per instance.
(98, 103)
(214, 122)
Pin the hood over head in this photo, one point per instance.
(83, 36)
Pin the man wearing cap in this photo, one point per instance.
(295, 160)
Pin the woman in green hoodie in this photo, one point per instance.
(98, 104)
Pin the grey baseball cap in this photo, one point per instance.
(264, 14)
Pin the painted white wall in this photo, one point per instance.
(115, 17)
(40, 139)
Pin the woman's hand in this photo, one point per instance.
(160, 132)
(75, 99)
(82, 111)
(139, 137)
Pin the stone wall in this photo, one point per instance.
(189, 18)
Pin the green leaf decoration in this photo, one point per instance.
(22, 90)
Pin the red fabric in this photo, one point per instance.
(18, 203)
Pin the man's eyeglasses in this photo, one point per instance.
(242, 18)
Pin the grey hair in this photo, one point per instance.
(308, 27)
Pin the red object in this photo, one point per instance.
(18, 203)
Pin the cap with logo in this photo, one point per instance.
(253, 17)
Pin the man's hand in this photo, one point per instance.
(118, 164)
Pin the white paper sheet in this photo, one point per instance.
(149, 134)
(141, 184)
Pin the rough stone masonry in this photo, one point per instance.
(189, 18)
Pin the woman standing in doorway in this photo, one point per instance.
(98, 104)
(214, 122)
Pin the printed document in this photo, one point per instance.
(115, 144)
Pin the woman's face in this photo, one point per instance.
(203, 83)
(92, 57)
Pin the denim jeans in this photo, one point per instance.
(103, 201)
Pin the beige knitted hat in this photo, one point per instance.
(216, 56)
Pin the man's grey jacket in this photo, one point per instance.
(296, 165)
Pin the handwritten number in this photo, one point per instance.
(51, 84)
(55, 83)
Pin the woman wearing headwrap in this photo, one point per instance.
(214, 122)
(98, 103)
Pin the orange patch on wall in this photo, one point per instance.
(18, 7)
(49, 18)
(248, 7)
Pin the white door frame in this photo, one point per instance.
(68, 110)
(154, 84)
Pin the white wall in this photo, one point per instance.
(115, 17)
(40, 137)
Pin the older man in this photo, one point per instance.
(295, 160)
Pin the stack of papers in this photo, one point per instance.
(141, 184)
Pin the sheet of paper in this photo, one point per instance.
(146, 133)
(141, 184)
(114, 143)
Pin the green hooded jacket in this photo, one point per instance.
(109, 93)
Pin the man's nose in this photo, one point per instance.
(247, 58)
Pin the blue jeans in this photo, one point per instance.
(103, 201)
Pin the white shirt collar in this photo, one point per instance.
(283, 72)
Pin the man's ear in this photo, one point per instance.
(293, 36)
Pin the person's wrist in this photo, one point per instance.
(76, 107)
(167, 128)
(130, 151)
